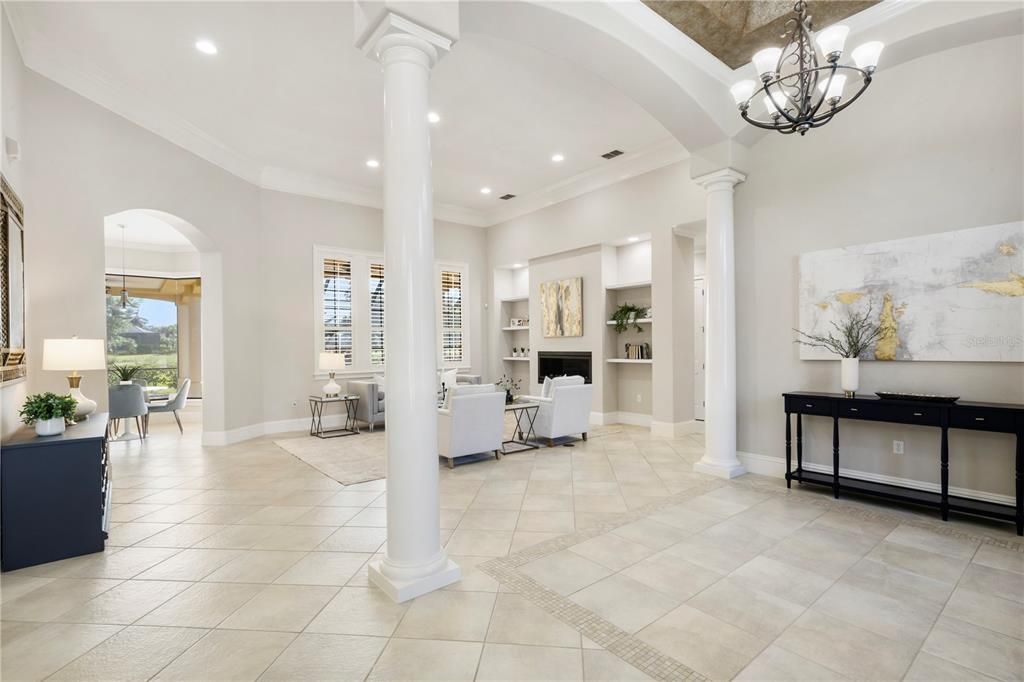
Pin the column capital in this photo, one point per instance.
(393, 30)
(723, 179)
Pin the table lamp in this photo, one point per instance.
(331, 362)
(72, 355)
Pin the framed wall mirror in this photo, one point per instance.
(12, 285)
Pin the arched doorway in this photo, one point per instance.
(160, 260)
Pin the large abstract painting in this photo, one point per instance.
(562, 304)
(956, 296)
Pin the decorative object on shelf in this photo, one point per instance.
(562, 304)
(13, 364)
(508, 384)
(626, 315)
(919, 397)
(953, 296)
(799, 91)
(638, 351)
(124, 373)
(331, 362)
(72, 355)
(49, 412)
(857, 333)
(518, 322)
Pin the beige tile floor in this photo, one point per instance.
(242, 562)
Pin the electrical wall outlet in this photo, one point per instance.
(639, 398)
(897, 447)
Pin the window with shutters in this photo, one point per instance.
(337, 307)
(349, 310)
(377, 314)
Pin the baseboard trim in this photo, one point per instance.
(676, 429)
(766, 465)
(632, 418)
(244, 433)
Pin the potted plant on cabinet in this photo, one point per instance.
(49, 412)
(856, 335)
(626, 315)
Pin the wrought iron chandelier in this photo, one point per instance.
(800, 92)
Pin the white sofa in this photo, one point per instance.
(471, 422)
(564, 410)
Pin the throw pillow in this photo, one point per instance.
(545, 391)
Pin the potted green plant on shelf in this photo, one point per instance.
(626, 315)
(857, 332)
(124, 373)
(49, 412)
(509, 384)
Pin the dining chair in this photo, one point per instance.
(127, 401)
(173, 404)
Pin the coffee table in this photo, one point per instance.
(519, 410)
(316, 408)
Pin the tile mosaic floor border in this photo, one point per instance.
(633, 650)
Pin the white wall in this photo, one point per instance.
(152, 262)
(909, 158)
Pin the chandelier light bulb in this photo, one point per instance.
(866, 55)
(742, 91)
(835, 88)
(765, 62)
(831, 41)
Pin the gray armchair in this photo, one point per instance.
(371, 398)
(173, 404)
(128, 401)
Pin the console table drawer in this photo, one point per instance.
(982, 419)
(898, 414)
(817, 406)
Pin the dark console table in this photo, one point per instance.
(992, 417)
(56, 494)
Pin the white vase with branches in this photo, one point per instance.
(856, 334)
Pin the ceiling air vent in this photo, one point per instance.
(612, 154)
(506, 197)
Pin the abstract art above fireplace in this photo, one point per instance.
(956, 296)
(561, 302)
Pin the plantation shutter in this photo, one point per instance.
(377, 314)
(451, 317)
(337, 307)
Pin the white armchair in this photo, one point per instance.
(471, 422)
(565, 411)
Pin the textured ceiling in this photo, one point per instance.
(733, 30)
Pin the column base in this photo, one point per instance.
(403, 590)
(720, 470)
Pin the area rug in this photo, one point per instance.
(348, 460)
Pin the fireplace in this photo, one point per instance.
(556, 364)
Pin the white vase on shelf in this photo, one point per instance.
(849, 376)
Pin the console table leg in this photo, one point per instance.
(789, 455)
(944, 460)
(835, 457)
(799, 447)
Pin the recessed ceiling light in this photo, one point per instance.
(517, 265)
(433, 117)
(558, 158)
(633, 239)
(485, 190)
(206, 46)
(372, 163)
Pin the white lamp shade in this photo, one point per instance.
(866, 55)
(835, 86)
(832, 38)
(742, 91)
(766, 60)
(779, 99)
(332, 361)
(74, 354)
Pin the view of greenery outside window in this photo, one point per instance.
(144, 333)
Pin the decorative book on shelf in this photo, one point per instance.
(638, 351)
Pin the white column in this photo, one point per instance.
(720, 414)
(415, 563)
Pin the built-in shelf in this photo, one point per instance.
(515, 299)
(628, 285)
(645, 320)
(515, 329)
(626, 361)
(516, 359)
